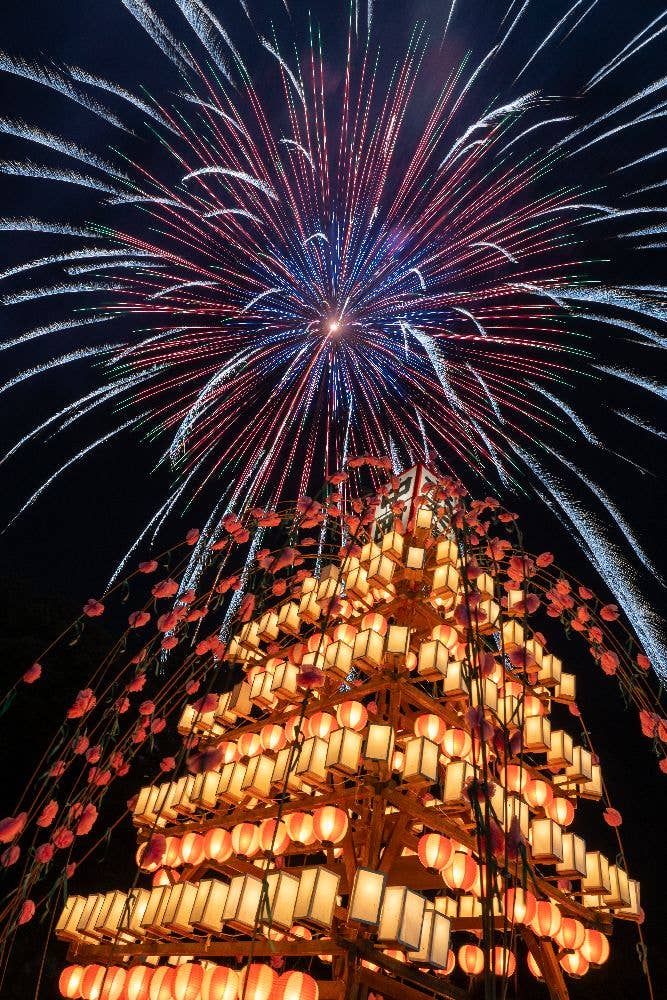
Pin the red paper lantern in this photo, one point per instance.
(295, 986)
(257, 982)
(595, 948)
(456, 743)
(560, 810)
(218, 845)
(434, 851)
(188, 981)
(137, 982)
(538, 793)
(91, 981)
(192, 848)
(461, 871)
(514, 778)
(249, 745)
(220, 983)
(547, 920)
(162, 983)
(504, 962)
(574, 964)
(430, 726)
(330, 824)
(471, 959)
(571, 935)
(300, 828)
(70, 981)
(272, 737)
(229, 751)
(114, 983)
(281, 840)
(322, 724)
(533, 966)
(519, 905)
(352, 715)
(245, 839)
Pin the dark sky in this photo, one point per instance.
(68, 543)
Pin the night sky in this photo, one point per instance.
(63, 550)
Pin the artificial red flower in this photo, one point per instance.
(84, 702)
(146, 708)
(48, 813)
(148, 567)
(609, 613)
(11, 827)
(208, 703)
(167, 764)
(157, 725)
(137, 683)
(62, 838)
(643, 662)
(609, 662)
(10, 856)
(612, 817)
(138, 619)
(204, 760)
(192, 687)
(545, 559)
(33, 673)
(169, 642)
(192, 536)
(122, 704)
(93, 608)
(246, 608)
(88, 817)
(93, 754)
(27, 911)
(57, 769)
(165, 588)
(155, 850)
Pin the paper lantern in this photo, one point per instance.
(258, 777)
(537, 734)
(352, 715)
(176, 916)
(311, 765)
(573, 864)
(316, 899)
(538, 793)
(114, 983)
(581, 768)
(560, 810)
(366, 896)
(619, 893)
(471, 959)
(295, 986)
(322, 724)
(519, 905)
(209, 904)
(273, 836)
(330, 824)
(560, 753)
(461, 871)
(219, 983)
(137, 982)
(272, 737)
(595, 948)
(514, 777)
(162, 983)
(249, 744)
(379, 743)
(300, 828)
(456, 743)
(229, 752)
(546, 841)
(218, 845)
(533, 966)
(571, 934)
(257, 982)
(192, 849)
(574, 964)
(70, 981)
(421, 761)
(434, 851)
(344, 751)
(401, 916)
(547, 920)
(430, 726)
(245, 839)
(432, 660)
(91, 981)
(434, 940)
(597, 877)
(503, 962)
(281, 893)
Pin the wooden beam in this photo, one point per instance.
(431, 984)
(204, 948)
(543, 953)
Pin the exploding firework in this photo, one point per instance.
(403, 259)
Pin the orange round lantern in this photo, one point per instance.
(188, 981)
(220, 983)
(533, 966)
(560, 810)
(538, 793)
(352, 715)
(298, 931)
(456, 743)
(398, 761)
(503, 962)
(162, 983)
(434, 851)
(137, 982)
(461, 871)
(571, 934)
(345, 634)
(431, 726)
(471, 959)
(547, 920)
(249, 745)
(257, 981)
(376, 623)
(595, 948)
(272, 737)
(300, 828)
(449, 967)
(318, 642)
(161, 877)
(114, 983)
(218, 845)
(295, 986)
(574, 964)
(532, 705)
(192, 849)
(245, 839)
(446, 634)
(273, 835)
(330, 824)
(519, 905)
(229, 751)
(322, 725)
(172, 856)
(91, 981)
(70, 981)
(514, 778)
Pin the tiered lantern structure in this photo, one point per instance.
(384, 801)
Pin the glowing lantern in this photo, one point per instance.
(352, 715)
(380, 743)
(456, 743)
(434, 941)
(70, 981)
(461, 871)
(421, 761)
(295, 986)
(571, 935)
(546, 841)
(573, 864)
(137, 982)
(316, 899)
(597, 877)
(504, 962)
(397, 643)
(595, 948)
(162, 983)
(547, 920)
(330, 824)
(172, 856)
(245, 839)
(574, 964)
(322, 724)
(249, 745)
(91, 981)
(533, 966)
(192, 848)
(401, 917)
(538, 793)
(272, 737)
(114, 983)
(229, 752)
(344, 751)
(430, 726)
(188, 981)
(366, 896)
(471, 959)
(219, 983)
(434, 851)
(218, 845)
(519, 905)
(561, 810)
(300, 828)
(273, 836)
(514, 777)
(258, 982)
